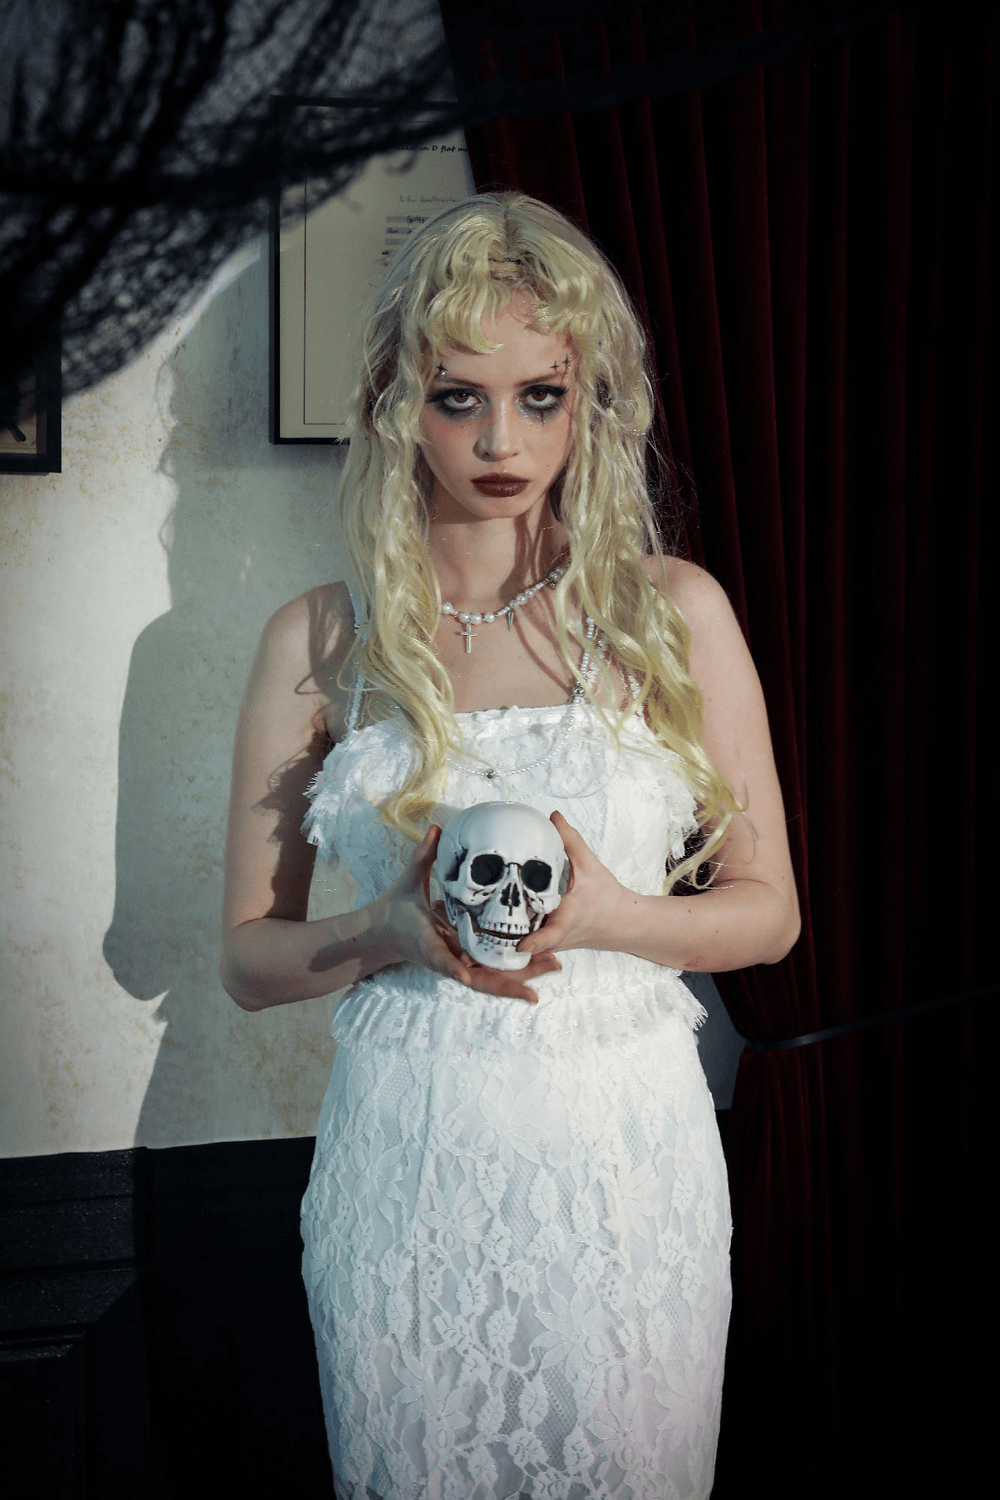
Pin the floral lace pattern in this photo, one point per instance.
(517, 1226)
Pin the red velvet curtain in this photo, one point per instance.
(807, 243)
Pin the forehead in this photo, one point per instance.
(516, 338)
(519, 344)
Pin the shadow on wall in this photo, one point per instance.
(253, 526)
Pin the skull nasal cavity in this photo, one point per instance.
(486, 869)
(510, 896)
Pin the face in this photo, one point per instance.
(497, 427)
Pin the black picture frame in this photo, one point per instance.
(293, 202)
(283, 106)
(31, 413)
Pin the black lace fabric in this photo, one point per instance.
(140, 145)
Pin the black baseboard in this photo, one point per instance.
(154, 1337)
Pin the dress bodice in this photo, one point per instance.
(629, 801)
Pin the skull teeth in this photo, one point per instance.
(507, 930)
(496, 949)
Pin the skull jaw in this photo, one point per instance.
(487, 948)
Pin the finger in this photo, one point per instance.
(547, 938)
(453, 965)
(514, 986)
(542, 963)
(571, 837)
(450, 940)
(504, 987)
(429, 848)
(422, 857)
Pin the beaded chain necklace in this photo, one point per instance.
(586, 674)
(469, 617)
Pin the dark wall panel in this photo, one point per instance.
(154, 1337)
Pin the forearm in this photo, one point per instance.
(273, 961)
(729, 926)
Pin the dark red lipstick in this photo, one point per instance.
(501, 486)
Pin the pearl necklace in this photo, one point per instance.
(586, 674)
(469, 618)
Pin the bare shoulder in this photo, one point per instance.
(313, 629)
(700, 598)
(301, 651)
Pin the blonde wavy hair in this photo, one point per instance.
(462, 267)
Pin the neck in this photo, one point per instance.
(481, 565)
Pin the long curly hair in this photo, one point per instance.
(463, 267)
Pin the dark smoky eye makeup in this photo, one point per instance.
(537, 400)
(442, 400)
(552, 394)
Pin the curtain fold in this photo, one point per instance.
(808, 244)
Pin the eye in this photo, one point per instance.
(456, 403)
(537, 875)
(543, 398)
(486, 869)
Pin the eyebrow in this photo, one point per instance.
(473, 385)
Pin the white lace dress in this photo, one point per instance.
(517, 1225)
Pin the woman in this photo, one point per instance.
(517, 1224)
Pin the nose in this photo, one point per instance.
(496, 440)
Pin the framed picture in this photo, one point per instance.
(30, 414)
(326, 260)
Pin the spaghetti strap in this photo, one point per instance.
(357, 687)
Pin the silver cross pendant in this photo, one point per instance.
(467, 633)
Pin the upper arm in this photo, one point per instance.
(281, 739)
(735, 732)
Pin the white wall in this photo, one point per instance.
(133, 588)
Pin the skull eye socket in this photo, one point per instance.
(537, 875)
(486, 869)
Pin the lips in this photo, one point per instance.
(501, 486)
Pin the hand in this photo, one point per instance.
(413, 931)
(591, 912)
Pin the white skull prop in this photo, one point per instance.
(500, 867)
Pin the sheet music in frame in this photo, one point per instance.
(327, 260)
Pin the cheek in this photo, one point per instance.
(562, 442)
(439, 433)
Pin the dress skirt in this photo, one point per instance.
(518, 1271)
